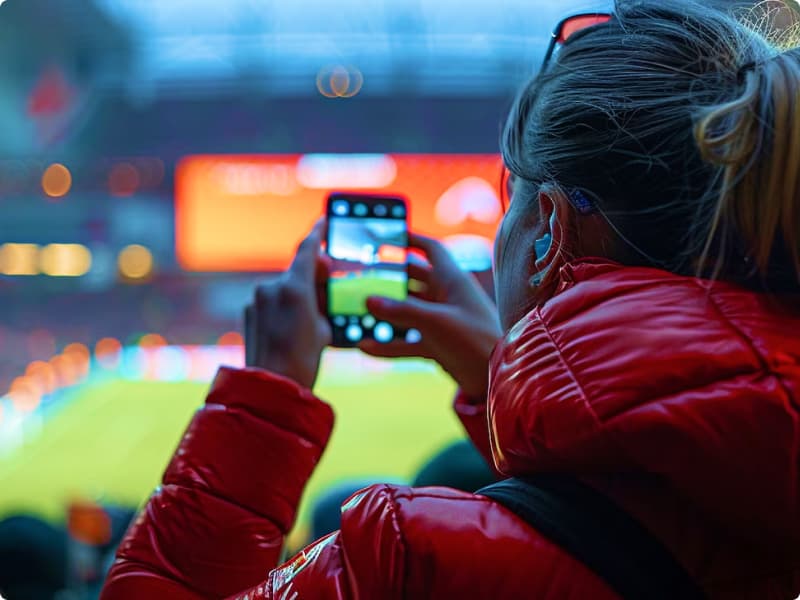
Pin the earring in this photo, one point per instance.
(541, 247)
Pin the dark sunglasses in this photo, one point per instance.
(565, 29)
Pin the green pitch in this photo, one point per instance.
(348, 296)
(113, 440)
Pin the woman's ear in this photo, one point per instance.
(555, 213)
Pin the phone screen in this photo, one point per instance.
(368, 242)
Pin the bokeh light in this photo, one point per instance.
(81, 357)
(65, 260)
(19, 259)
(24, 394)
(339, 81)
(66, 368)
(108, 353)
(134, 363)
(80, 350)
(56, 180)
(152, 340)
(124, 180)
(33, 384)
(135, 262)
(44, 374)
(196, 363)
(172, 364)
(231, 338)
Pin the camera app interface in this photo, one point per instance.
(367, 241)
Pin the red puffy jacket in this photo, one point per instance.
(677, 400)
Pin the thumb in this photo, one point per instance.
(305, 263)
(410, 313)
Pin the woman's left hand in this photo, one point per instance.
(285, 328)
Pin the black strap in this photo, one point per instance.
(594, 530)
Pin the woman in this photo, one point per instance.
(648, 273)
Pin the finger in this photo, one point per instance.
(321, 277)
(444, 265)
(398, 349)
(326, 330)
(321, 285)
(421, 273)
(418, 258)
(420, 290)
(322, 268)
(412, 312)
(420, 282)
(432, 249)
(265, 291)
(305, 260)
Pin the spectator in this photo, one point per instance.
(459, 466)
(648, 276)
(33, 559)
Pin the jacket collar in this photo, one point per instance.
(639, 370)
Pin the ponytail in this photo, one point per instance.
(693, 160)
(754, 141)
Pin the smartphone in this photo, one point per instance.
(367, 238)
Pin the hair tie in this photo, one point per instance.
(745, 69)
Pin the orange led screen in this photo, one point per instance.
(248, 213)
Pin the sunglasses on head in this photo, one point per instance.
(568, 27)
(565, 29)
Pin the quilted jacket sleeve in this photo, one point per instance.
(472, 413)
(228, 497)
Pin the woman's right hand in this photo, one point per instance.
(457, 319)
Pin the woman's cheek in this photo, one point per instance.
(499, 245)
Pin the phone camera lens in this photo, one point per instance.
(413, 336)
(360, 210)
(341, 208)
(354, 333)
(383, 332)
(380, 210)
(398, 212)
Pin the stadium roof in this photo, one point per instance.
(438, 46)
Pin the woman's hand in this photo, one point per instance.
(457, 319)
(285, 329)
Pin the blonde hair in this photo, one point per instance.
(755, 139)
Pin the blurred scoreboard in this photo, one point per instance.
(249, 213)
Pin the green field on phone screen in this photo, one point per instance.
(348, 295)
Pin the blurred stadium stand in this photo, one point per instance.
(120, 90)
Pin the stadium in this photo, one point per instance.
(158, 160)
